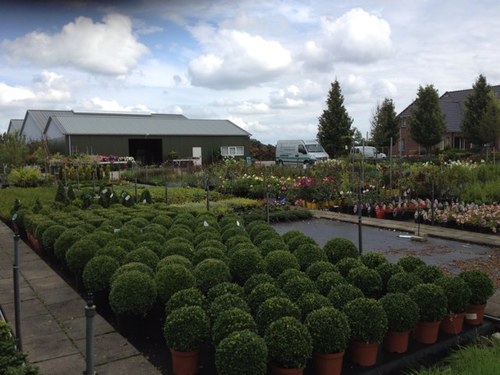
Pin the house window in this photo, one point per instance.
(232, 150)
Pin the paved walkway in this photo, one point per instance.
(53, 320)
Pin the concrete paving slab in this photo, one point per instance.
(49, 282)
(39, 326)
(67, 309)
(137, 364)
(75, 328)
(68, 365)
(61, 294)
(53, 345)
(109, 347)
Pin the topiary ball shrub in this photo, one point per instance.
(287, 275)
(99, 237)
(185, 297)
(233, 231)
(297, 286)
(152, 245)
(134, 266)
(339, 248)
(297, 241)
(386, 270)
(178, 248)
(243, 353)
(245, 263)
(373, 259)
(431, 301)
(457, 293)
(174, 259)
(261, 293)
(113, 251)
(206, 235)
(402, 282)
(236, 241)
(273, 309)
(179, 232)
(211, 243)
(270, 234)
(79, 254)
(287, 236)
(225, 288)
(307, 254)
(367, 320)
(410, 263)
(66, 240)
(402, 312)
(480, 284)
(319, 267)
(327, 280)
(143, 255)
(309, 302)
(278, 261)
(347, 264)
(208, 252)
(257, 279)
(186, 328)
(97, 273)
(289, 343)
(273, 244)
(329, 329)
(366, 279)
(50, 235)
(429, 273)
(255, 230)
(125, 244)
(224, 303)
(172, 278)
(230, 321)
(132, 293)
(211, 272)
(342, 294)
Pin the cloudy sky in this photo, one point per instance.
(265, 65)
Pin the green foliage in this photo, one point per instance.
(186, 328)
(342, 294)
(431, 301)
(339, 248)
(174, 259)
(386, 270)
(457, 293)
(51, 234)
(25, 177)
(241, 353)
(297, 286)
(257, 279)
(245, 263)
(13, 149)
(329, 329)
(334, 129)
(262, 292)
(98, 271)
(319, 267)
(273, 309)
(132, 293)
(373, 259)
(480, 285)
(347, 264)
(79, 254)
(287, 275)
(384, 124)
(207, 253)
(402, 282)
(367, 319)
(230, 321)
(134, 266)
(278, 261)
(307, 254)
(427, 123)
(410, 263)
(289, 343)
(308, 302)
(294, 243)
(429, 273)
(178, 248)
(367, 280)
(171, 278)
(226, 302)
(225, 288)
(211, 272)
(12, 361)
(143, 255)
(402, 312)
(185, 297)
(327, 280)
(272, 244)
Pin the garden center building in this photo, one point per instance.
(149, 138)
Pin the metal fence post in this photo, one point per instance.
(17, 295)
(89, 325)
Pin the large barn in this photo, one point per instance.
(149, 138)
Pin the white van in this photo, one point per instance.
(299, 152)
(369, 152)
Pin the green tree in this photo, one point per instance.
(13, 150)
(427, 122)
(334, 129)
(357, 137)
(384, 124)
(475, 108)
(489, 125)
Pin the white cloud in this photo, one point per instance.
(236, 59)
(248, 107)
(14, 95)
(108, 48)
(288, 98)
(98, 104)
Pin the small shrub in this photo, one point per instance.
(307, 254)
(125, 244)
(429, 273)
(66, 240)
(319, 267)
(431, 301)
(327, 280)
(373, 259)
(457, 293)
(367, 319)
(50, 236)
(287, 236)
(99, 237)
(211, 243)
(480, 285)
(245, 263)
(174, 259)
(410, 263)
(342, 294)
(185, 297)
(386, 270)
(98, 271)
(152, 245)
(261, 293)
(329, 329)
(269, 245)
(257, 279)
(172, 278)
(294, 243)
(132, 293)
(339, 248)
(297, 286)
(402, 282)
(225, 288)
(226, 302)
(287, 275)
(402, 312)
(231, 321)
(79, 254)
(134, 266)
(211, 272)
(186, 328)
(278, 261)
(347, 264)
(143, 255)
(309, 302)
(366, 279)
(179, 248)
(273, 309)
(208, 252)
(243, 353)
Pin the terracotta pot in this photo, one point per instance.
(396, 342)
(474, 314)
(275, 370)
(364, 354)
(379, 213)
(452, 323)
(185, 363)
(426, 332)
(328, 364)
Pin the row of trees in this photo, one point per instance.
(427, 123)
